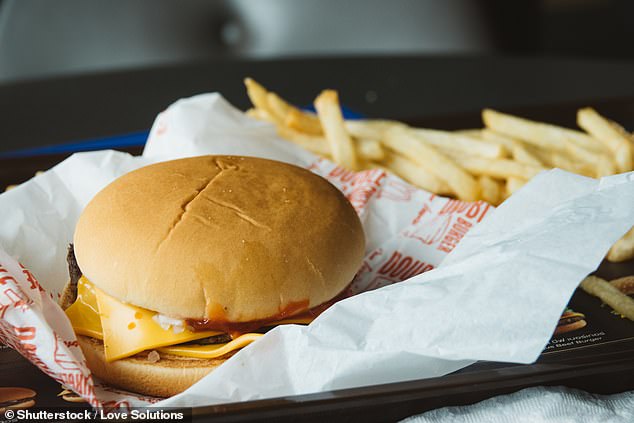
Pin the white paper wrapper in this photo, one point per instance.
(497, 296)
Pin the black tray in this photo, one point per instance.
(600, 366)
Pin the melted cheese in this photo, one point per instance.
(211, 351)
(84, 313)
(127, 330)
(291, 320)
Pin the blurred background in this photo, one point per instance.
(40, 38)
(74, 70)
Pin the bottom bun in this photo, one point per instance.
(570, 327)
(15, 398)
(169, 376)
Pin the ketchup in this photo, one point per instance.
(297, 309)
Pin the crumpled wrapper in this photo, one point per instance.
(480, 284)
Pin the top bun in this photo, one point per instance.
(223, 238)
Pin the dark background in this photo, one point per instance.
(42, 38)
(81, 69)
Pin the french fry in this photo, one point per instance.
(341, 146)
(561, 161)
(260, 114)
(304, 122)
(496, 168)
(293, 117)
(312, 143)
(603, 164)
(624, 284)
(597, 167)
(544, 134)
(490, 190)
(623, 249)
(518, 150)
(513, 184)
(584, 140)
(610, 295)
(278, 107)
(370, 128)
(522, 155)
(445, 141)
(403, 141)
(258, 96)
(370, 149)
(578, 145)
(415, 174)
(473, 133)
(272, 107)
(541, 135)
(610, 134)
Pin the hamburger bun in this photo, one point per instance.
(16, 398)
(223, 238)
(168, 376)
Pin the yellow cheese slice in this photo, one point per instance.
(84, 313)
(126, 329)
(211, 351)
(291, 320)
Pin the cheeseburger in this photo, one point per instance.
(570, 320)
(178, 265)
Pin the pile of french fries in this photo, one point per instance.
(486, 164)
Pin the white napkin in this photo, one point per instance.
(536, 405)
